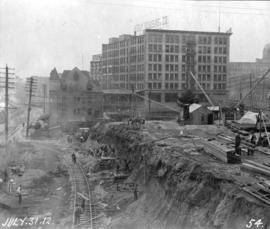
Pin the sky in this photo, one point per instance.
(38, 35)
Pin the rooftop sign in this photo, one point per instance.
(159, 23)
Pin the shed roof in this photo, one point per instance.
(193, 107)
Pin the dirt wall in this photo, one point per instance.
(178, 191)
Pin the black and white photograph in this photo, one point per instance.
(134, 114)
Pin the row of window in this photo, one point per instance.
(204, 77)
(171, 67)
(136, 77)
(171, 58)
(204, 59)
(204, 49)
(220, 77)
(171, 85)
(220, 59)
(173, 39)
(154, 76)
(221, 40)
(204, 40)
(172, 49)
(220, 68)
(154, 85)
(154, 48)
(136, 58)
(154, 67)
(171, 77)
(220, 50)
(220, 86)
(204, 68)
(137, 49)
(155, 57)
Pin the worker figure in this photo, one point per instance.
(83, 204)
(5, 176)
(135, 192)
(73, 158)
(237, 141)
(253, 142)
(265, 141)
(19, 193)
(78, 212)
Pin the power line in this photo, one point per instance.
(174, 8)
(198, 4)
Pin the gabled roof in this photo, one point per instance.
(54, 75)
(193, 107)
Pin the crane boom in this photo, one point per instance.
(254, 86)
(205, 94)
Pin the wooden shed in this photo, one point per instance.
(200, 115)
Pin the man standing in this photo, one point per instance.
(78, 212)
(19, 193)
(73, 158)
(237, 140)
(5, 176)
(135, 192)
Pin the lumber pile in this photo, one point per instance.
(216, 149)
(256, 167)
(260, 194)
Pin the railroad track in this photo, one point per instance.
(90, 218)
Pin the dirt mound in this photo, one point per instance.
(178, 190)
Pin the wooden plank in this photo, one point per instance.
(258, 164)
(248, 190)
(213, 150)
(256, 169)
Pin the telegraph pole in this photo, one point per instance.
(31, 84)
(44, 98)
(6, 107)
(7, 86)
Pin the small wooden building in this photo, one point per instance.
(200, 115)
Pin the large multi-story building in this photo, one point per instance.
(243, 75)
(256, 68)
(96, 67)
(239, 86)
(74, 97)
(158, 63)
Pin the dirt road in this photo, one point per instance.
(45, 187)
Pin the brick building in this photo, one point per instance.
(158, 63)
(74, 97)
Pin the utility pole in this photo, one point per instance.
(6, 107)
(31, 85)
(44, 98)
(251, 94)
(149, 101)
(7, 86)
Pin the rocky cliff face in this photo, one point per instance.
(180, 190)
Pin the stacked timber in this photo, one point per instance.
(216, 149)
(256, 167)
